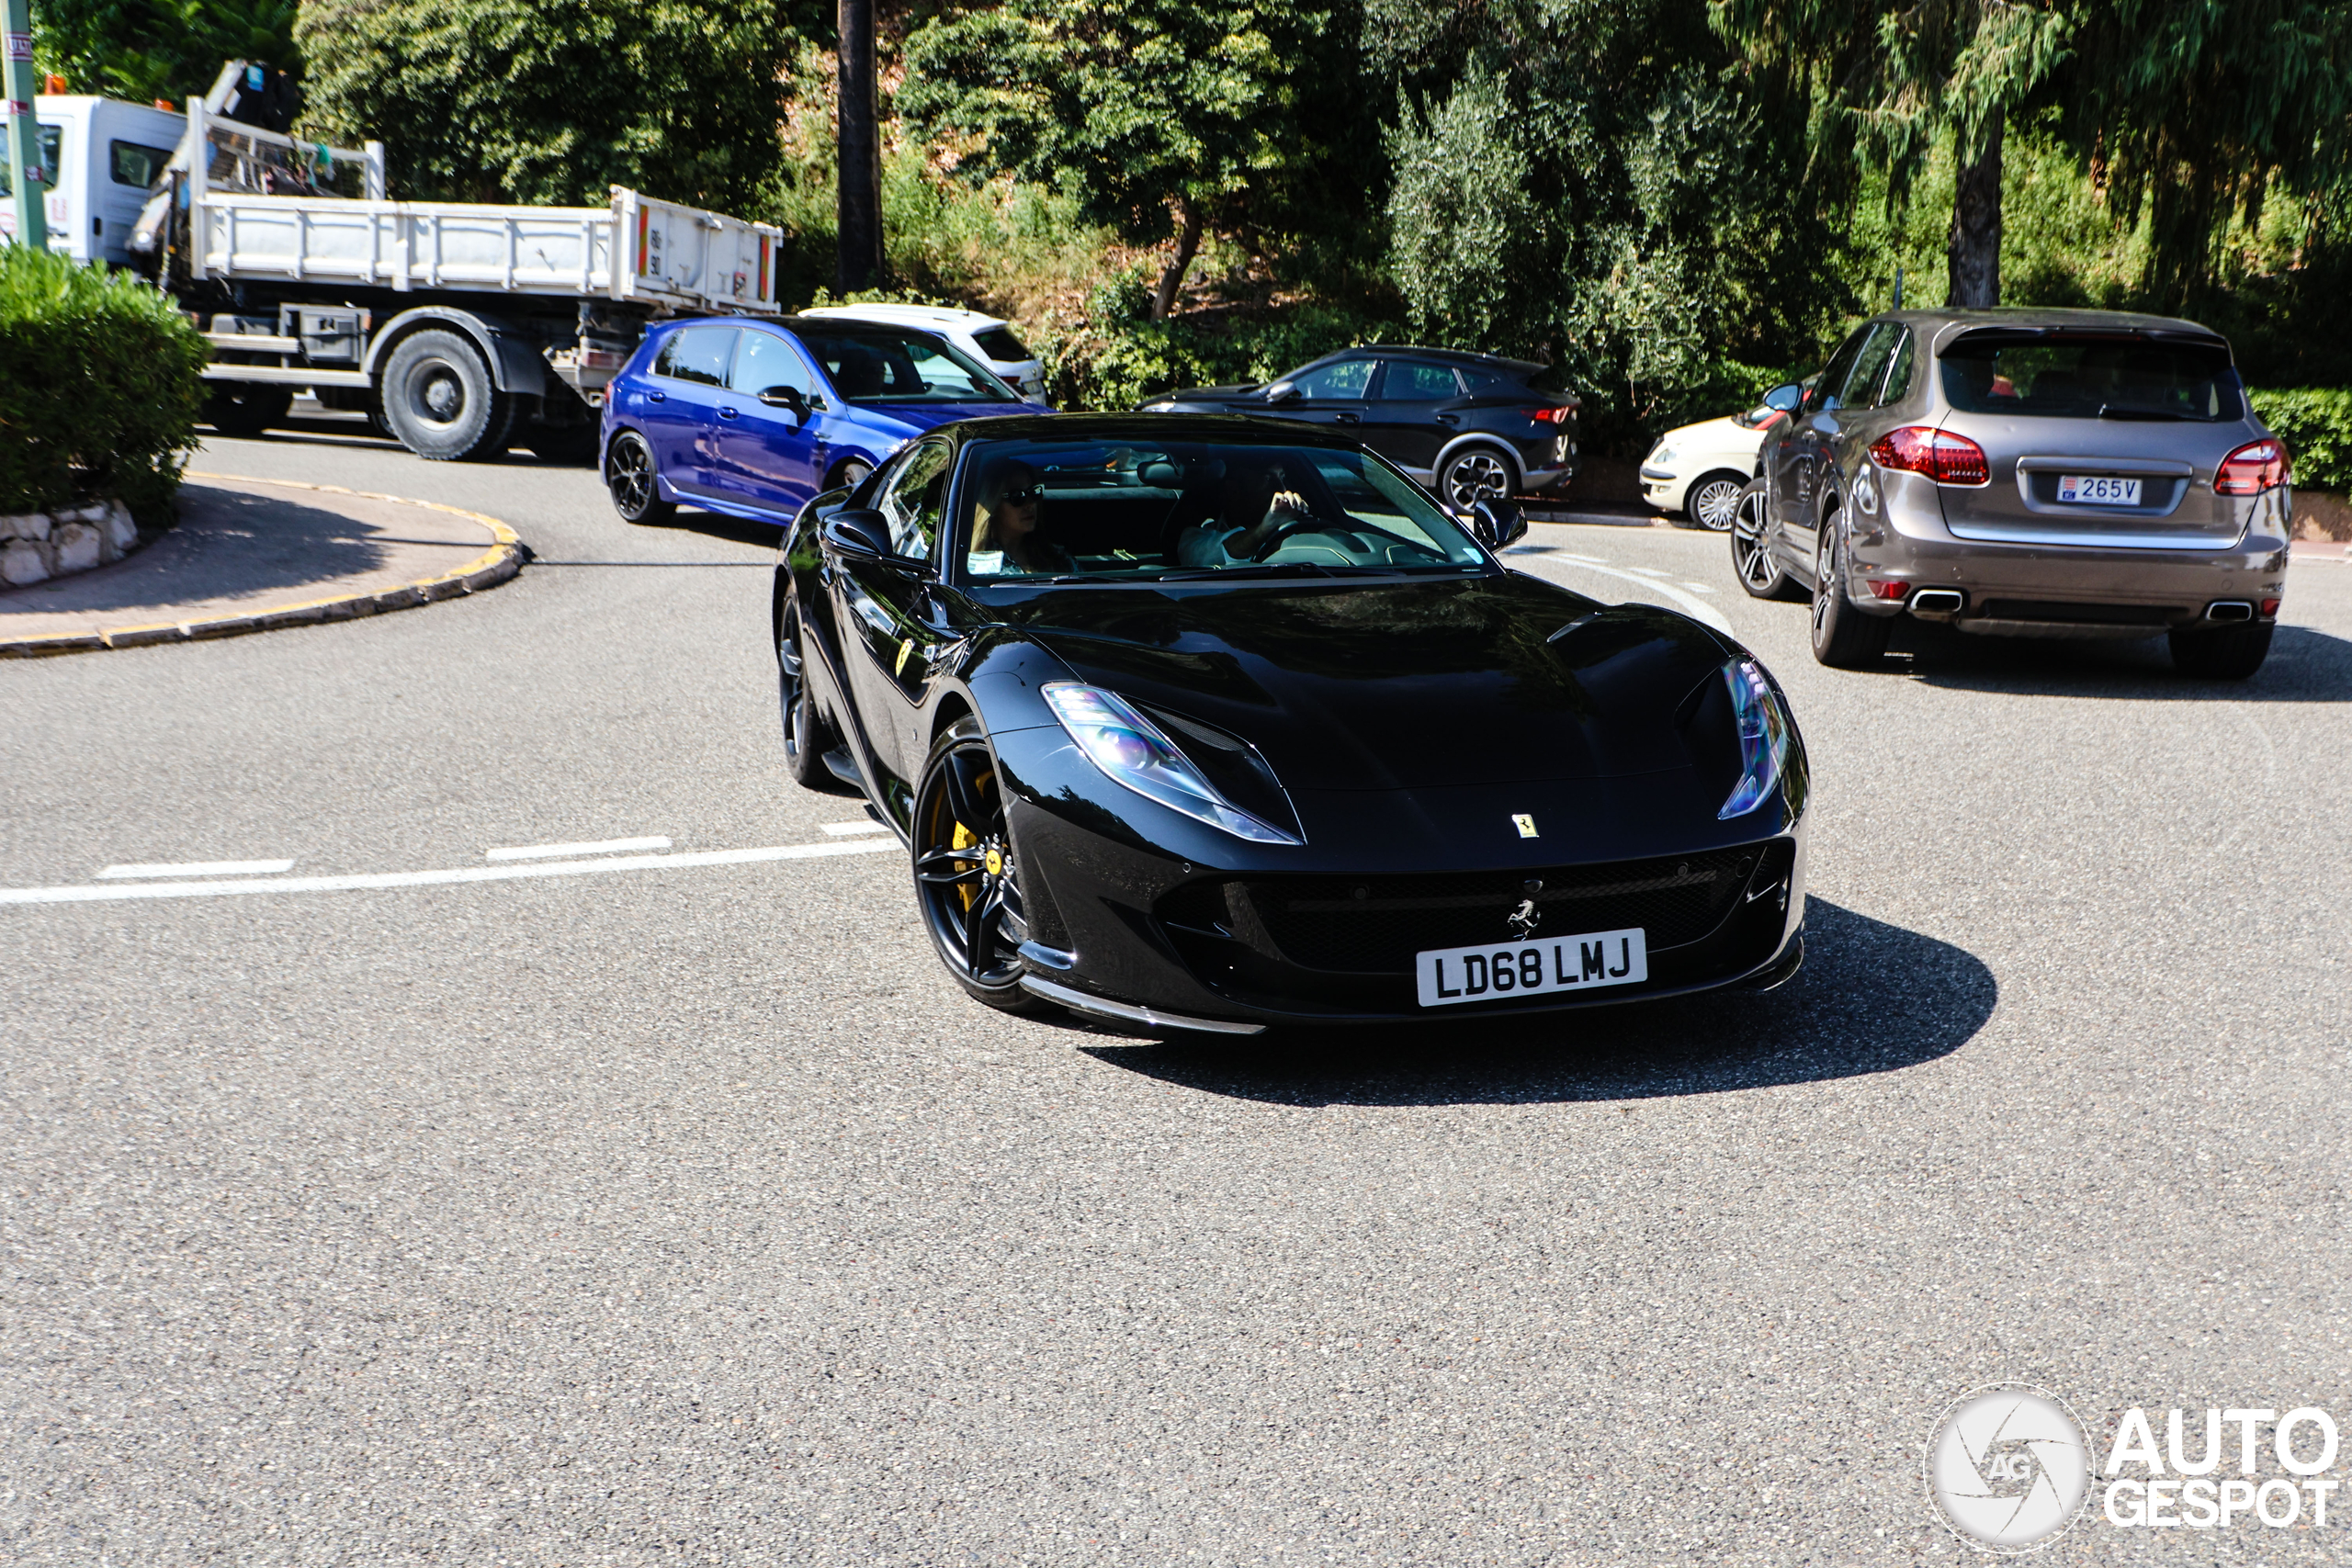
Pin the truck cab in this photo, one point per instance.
(102, 156)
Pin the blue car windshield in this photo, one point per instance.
(1167, 510)
(889, 365)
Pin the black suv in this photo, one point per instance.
(1471, 426)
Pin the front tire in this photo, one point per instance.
(2225, 653)
(1751, 552)
(1712, 503)
(631, 478)
(807, 736)
(1843, 638)
(439, 399)
(967, 877)
(1475, 474)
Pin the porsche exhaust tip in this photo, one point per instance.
(1937, 601)
(2228, 610)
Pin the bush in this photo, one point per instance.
(2316, 424)
(100, 382)
(1117, 355)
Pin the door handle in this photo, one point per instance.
(1449, 420)
(1348, 418)
(726, 412)
(657, 397)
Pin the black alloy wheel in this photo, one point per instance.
(967, 878)
(1843, 638)
(1751, 555)
(2225, 653)
(1713, 503)
(440, 400)
(1473, 475)
(851, 475)
(807, 736)
(245, 409)
(630, 477)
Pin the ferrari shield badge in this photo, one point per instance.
(906, 652)
(1525, 824)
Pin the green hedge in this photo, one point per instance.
(99, 387)
(2316, 424)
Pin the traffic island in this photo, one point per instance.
(256, 555)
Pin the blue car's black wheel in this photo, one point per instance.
(968, 877)
(629, 475)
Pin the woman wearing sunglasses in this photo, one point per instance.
(1005, 536)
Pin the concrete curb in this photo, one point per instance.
(489, 568)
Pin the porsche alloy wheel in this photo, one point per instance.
(1751, 557)
(1473, 475)
(1714, 501)
(1843, 638)
(967, 877)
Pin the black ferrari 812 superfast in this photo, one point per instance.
(1201, 723)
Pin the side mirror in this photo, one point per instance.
(1784, 398)
(856, 535)
(786, 398)
(1283, 393)
(1497, 524)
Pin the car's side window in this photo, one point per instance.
(697, 353)
(1861, 390)
(1898, 375)
(914, 499)
(1822, 395)
(1417, 381)
(1341, 379)
(766, 363)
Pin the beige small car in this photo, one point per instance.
(1700, 469)
(2025, 472)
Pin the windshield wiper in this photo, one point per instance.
(2141, 411)
(1255, 568)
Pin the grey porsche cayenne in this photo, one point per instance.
(2024, 472)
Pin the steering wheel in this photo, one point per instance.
(1302, 523)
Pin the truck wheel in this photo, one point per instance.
(246, 407)
(439, 401)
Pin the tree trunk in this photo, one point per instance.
(1188, 245)
(859, 140)
(1976, 247)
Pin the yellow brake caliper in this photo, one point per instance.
(963, 839)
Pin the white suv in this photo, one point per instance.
(986, 338)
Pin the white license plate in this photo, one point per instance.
(2094, 489)
(1451, 975)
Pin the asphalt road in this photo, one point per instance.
(689, 1214)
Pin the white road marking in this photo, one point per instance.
(843, 830)
(1646, 571)
(1698, 609)
(203, 868)
(86, 895)
(551, 851)
(1696, 587)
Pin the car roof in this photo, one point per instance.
(2051, 318)
(1449, 356)
(925, 315)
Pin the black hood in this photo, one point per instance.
(1406, 684)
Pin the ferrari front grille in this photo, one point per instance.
(1375, 924)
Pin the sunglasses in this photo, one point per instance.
(1022, 496)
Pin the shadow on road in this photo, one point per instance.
(1872, 998)
(2304, 666)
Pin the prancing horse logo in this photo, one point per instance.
(1525, 824)
(1522, 920)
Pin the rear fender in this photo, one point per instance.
(515, 365)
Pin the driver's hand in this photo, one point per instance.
(1287, 503)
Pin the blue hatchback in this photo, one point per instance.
(751, 418)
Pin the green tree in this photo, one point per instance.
(1887, 79)
(1164, 119)
(554, 100)
(2195, 112)
(141, 50)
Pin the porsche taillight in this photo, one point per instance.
(1947, 459)
(2254, 467)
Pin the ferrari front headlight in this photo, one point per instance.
(1763, 736)
(1117, 739)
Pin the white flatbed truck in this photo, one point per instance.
(457, 328)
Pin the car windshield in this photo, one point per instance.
(1169, 510)
(2087, 377)
(870, 364)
